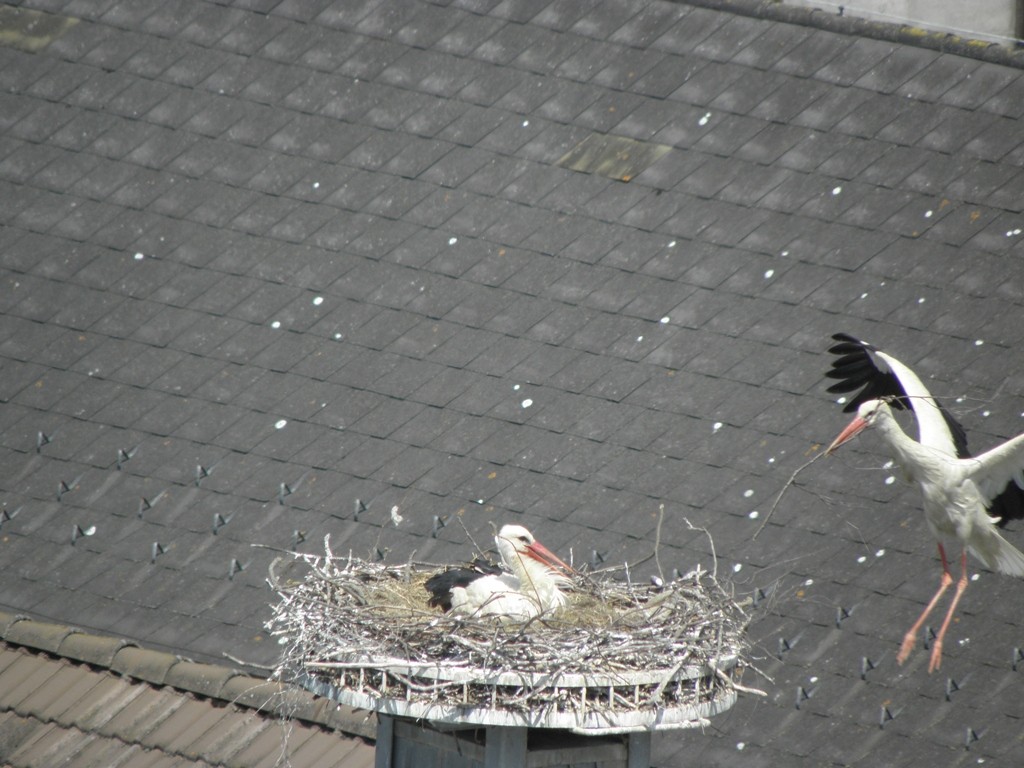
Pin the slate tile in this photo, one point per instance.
(859, 58)
(401, 195)
(28, 160)
(553, 142)
(809, 156)
(371, 455)
(837, 106)
(505, 45)
(707, 84)
(286, 441)
(468, 33)
(932, 122)
(789, 98)
(712, 176)
(544, 53)
(769, 44)
(48, 391)
(429, 25)
(252, 33)
(979, 86)
(816, 51)
(100, 89)
(433, 116)
(895, 165)
(903, 64)
(568, 101)
(83, 219)
(976, 182)
(1006, 102)
(397, 109)
(601, 20)
(562, 14)
(64, 171)
(994, 141)
(642, 429)
(963, 222)
(611, 204)
(507, 444)
(610, 246)
(389, 416)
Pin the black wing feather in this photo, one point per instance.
(440, 585)
(857, 368)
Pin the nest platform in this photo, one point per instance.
(619, 658)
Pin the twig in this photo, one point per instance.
(778, 498)
(711, 541)
(244, 663)
(469, 536)
(657, 541)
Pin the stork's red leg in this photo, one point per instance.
(936, 660)
(910, 639)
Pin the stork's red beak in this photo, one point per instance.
(542, 554)
(853, 429)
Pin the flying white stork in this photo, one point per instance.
(959, 490)
(529, 585)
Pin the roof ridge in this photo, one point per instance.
(908, 34)
(159, 668)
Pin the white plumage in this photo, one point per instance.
(958, 490)
(530, 586)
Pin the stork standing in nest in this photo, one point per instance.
(529, 583)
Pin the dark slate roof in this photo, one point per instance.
(273, 269)
(72, 698)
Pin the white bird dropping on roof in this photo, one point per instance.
(140, 256)
(276, 324)
(318, 301)
(527, 403)
(704, 120)
(281, 424)
(395, 517)
(769, 274)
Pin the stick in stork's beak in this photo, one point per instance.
(853, 429)
(543, 555)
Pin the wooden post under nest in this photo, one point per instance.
(407, 743)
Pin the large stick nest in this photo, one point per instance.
(367, 626)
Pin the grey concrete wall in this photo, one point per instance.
(979, 19)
